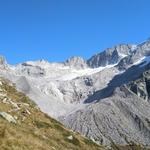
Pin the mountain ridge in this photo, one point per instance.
(76, 92)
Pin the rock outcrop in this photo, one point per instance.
(141, 86)
(8, 117)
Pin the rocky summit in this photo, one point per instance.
(105, 98)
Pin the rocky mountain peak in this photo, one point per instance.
(76, 62)
(143, 49)
(3, 63)
(138, 53)
(110, 56)
(124, 49)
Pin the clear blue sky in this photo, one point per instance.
(57, 29)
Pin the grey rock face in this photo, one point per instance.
(30, 70)
(76, 62)
(141, 86)
(121, 119)
(110, 56)
(131, 54)
(125, 62)
(142, 50)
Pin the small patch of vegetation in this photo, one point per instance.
(2, 131)
(131, 146)
(58, 127)
(90, 142)
(41, 124)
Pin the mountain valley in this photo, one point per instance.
(105, 98)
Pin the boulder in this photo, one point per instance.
(8, 117)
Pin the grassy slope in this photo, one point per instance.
(35, 131)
